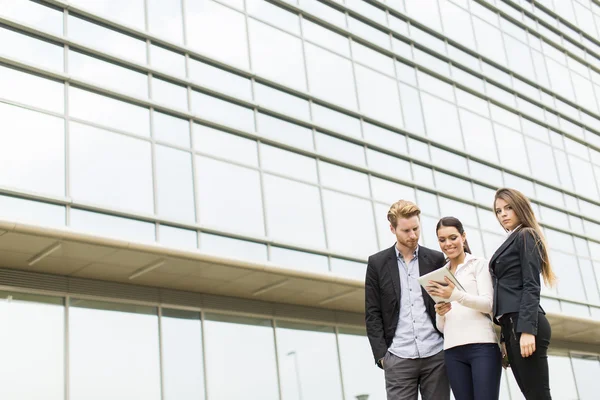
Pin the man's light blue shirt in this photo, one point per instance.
(415, 335)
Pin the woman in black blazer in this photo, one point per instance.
(515, 268)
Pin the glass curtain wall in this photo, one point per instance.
(127, 350)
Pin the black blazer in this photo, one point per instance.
(515, 270)
(382, 295)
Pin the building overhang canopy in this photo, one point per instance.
(70, 253)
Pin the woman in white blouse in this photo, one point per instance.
(472, 355)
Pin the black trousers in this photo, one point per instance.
(531, 373)
(474, 371)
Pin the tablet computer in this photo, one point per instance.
(438, 276)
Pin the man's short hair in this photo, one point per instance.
(402, 209)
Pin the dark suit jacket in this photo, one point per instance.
(382, 295)
(515, 270)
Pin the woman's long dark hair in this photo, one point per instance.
(454, 223)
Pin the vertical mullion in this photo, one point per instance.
(274, 322)
(202, 326)
(67, 353)
(160, 354)
(339, 357)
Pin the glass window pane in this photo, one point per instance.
(174, 184)
(336, 121)
(512, 149)
(165, 19)
(390, 192)
(177, 237)
(340, 149)
(562, 381)
(222, 111)
(167, 61)
(286, 162)
(217, 200)
(276, 55)
(325, 12)
(132, 15)
(19, 86)
(110, 112)
(453, 185)
(492, 46)
(113, 351)
(344, 179)
(349, 235)
(378, 96)
(225, 145)
(171, 129)
(111, 226)
(411, 107)
(299, 260)
(442, 122)
(457, 23)
(330, 76)
(169, 94)
(182, 355)
(325, 37)
(32, 154)
(33, 347)
(281, 101)
(584, 178)
(31, 50)
(274, 15)
(285, 132)
(106, 39)
(372, 58)
(221, 245)
(478, 135)
(221, 369)
(35, 14)
(449, 160)
(103, 73)
(383, 137)
(369, 33)
(217, 78)
(349, 269)
(32, 212)
(217, 31)
(308, 361)
(389, 165)
(283, 195)
(570, 285)
(464, 212)
(586, 375)
(472, 102)
(110, 169)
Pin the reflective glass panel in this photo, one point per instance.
(442, 121)
(31, 50)
(20, 86)
(221, 245)
(389, 165)
(109, 112)
(171, 129)
(285, 132)
(586, 371)
(511, 149)
(285, 162)
(390, 192)
(354, 235)
(299, 260)
(478, 135)
(111, 226)
(165, 19)
(167, 93)
(177, 237)
(308, 361)
(344, 179)
(225, 362)
(217, 31)
(276, 55)
(217, 78)
(113, 351)
(131, 13)
(32, 154)
(274, 15)
(216, 199)
(167, 61)
(106, 39)
(325, 37)
(330, 76)
(174, 184)
(281, 101)
(110, 169)
(457, 23)
(349, 269)
(378, 96)
(31, 212)
(306, 225)
(33, 347)
(222, 111)
(35, 14)
(335, 120)
(340, 149)
(182, 355)
(562, 381)
(225, 145)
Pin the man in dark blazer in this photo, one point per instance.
(400, 315)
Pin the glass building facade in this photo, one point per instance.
(279, 132)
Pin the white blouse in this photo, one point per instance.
(466, 322)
